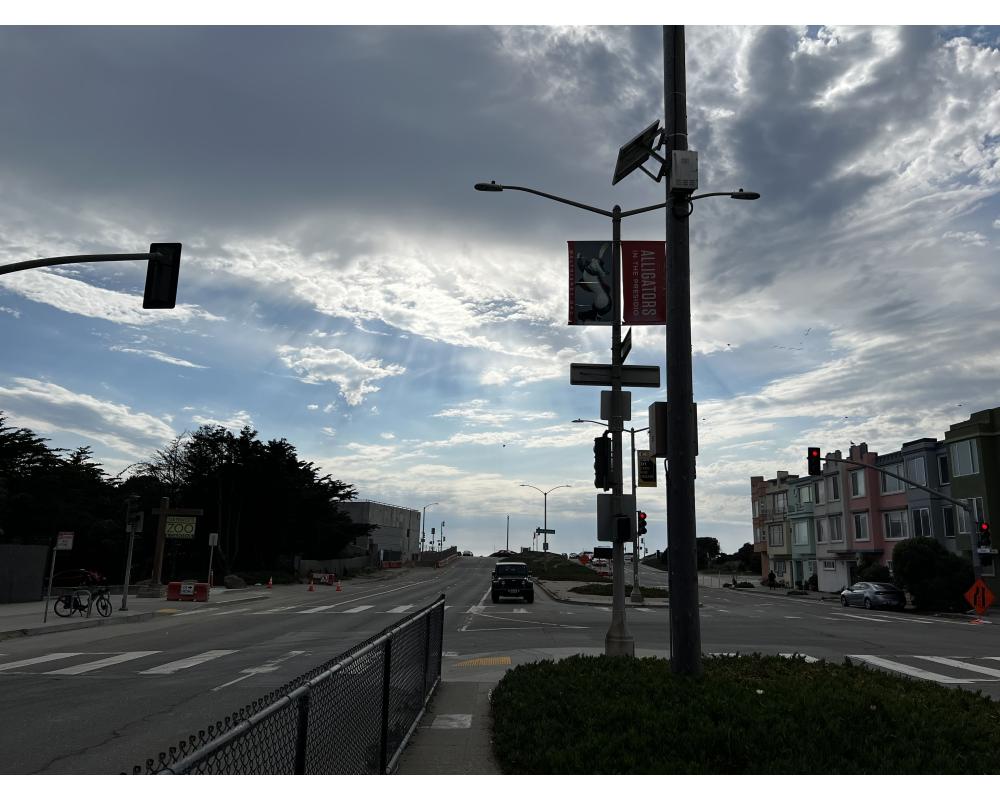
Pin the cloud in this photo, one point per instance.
(355, 378)
(236, 422)
(50, 407)
(12, 311)
(156, 354)
(312, 407)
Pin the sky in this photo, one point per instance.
(342, 285)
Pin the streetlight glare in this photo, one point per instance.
(492, 186)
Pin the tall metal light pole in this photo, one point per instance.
(685, 625)
(422, 514)
(545, 506)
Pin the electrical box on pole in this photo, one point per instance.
(659, 431)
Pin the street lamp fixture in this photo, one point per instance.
(545, 502)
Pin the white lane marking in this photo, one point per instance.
(37, 660)
(267, 666)
(276, 610)
(314, 609)
(231, 611)
(723, 611)
(954, 662)
(858, 616)
(520, 611)
(905, 669)
(793, 617)
(356, 609)
(401, 609)
(474, 611)
(643, 610)
(452, 721)
(194, 611)
(808, 659)
(906, 619)
(90, 666)
(183, 663)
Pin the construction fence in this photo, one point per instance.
(351, 715)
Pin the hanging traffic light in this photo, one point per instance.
(812, 456)
(642, 524)
(984, 534)
(161, 275)
(602, 462)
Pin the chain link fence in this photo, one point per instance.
(351, 715)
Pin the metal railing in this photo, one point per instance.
(351, 715)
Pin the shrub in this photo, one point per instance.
(551, 567)
(936, 578)
(831, 718)
(871, 570)
(813, 583)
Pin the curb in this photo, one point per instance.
(602, 601)
(141, 616)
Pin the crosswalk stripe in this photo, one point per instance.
(643, 610)
(183, 663)
(399, 609)
(231, 611)
(954, 662)
(520, 611)
(193, 611)
(475, 609)
(314, 609)
(906, 669)
(37, 660)
(605, 608)
(90, 666)
(276, 610)
(356, 609)
(859, 616)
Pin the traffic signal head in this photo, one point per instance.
(623, 529)
(812, 457)
(641, 529)
(984, 534)
(602, 462)
(161, 275)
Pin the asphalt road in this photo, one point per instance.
(102, 699)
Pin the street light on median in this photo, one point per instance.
(545, 500)
(422, 514)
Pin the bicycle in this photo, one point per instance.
(82, 600)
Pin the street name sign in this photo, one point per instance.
(64, 540)
(545, 531)
(600, 375)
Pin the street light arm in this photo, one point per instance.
(560, 486)
(643, 210)
(57, 260)
(592, 421)
(532, 487)
(557, 198)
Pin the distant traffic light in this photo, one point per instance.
(812, 456)
(984, 534)
(602, 462)
(641, 530)
(162, 274)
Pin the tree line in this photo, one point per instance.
(266, 504)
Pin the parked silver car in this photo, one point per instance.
(873, 595)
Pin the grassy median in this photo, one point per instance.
(746, 715)
(607, 589)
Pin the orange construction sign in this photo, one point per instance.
(979, 596)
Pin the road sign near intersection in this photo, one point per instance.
(979, 596)
(600, 375)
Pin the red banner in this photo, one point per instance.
(644, 283)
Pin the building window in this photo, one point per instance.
(921, 522)
(812, 567)
(948, 514)
(916, 470)
(943, 473)
(820, 491)
(836, 529)
(964, 458)
(779, 568)
(857, 483)
(829, 565)
(894, 524)
(780, 502)
(861, 527)
(776, 536)
(964, 523)
(833, 487)
(822, 528)
(890, 483)
(805, 495)
(800, 533)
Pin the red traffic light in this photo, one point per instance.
(984, 527)
(814, 451)
(642, 515)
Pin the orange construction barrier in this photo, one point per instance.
(269, 583)
(338, 586)
(311, 585)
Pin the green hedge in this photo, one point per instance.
(607, 589)
(746, 715)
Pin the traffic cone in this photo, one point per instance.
(338, 586)
(311, 585)
(269, 583)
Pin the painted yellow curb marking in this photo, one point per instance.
(488, 661)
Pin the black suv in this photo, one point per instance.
(510, 579)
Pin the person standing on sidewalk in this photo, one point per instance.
(771, 579)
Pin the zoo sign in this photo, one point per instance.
(180, 527)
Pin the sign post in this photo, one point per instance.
(64, 541)
(213, 540)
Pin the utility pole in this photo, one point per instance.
(636, 595)
(618, 641)
(507, 547)
(685, 625)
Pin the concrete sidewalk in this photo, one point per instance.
(25, 619)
